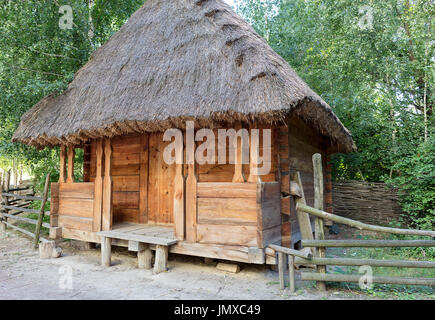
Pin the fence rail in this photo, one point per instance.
(319, 244)
(11, 207)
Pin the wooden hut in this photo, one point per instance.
(175, 61)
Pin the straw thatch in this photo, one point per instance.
(172, 61)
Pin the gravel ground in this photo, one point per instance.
(78, 275)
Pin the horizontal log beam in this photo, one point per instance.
(312, 276)
(25, 210)
(365, 262)
(27, 220)
(23, 197)
(20, 189)
(361, 225)
(367, 243)
(30, 234)
(302, 254)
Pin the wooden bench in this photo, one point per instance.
(140, 244)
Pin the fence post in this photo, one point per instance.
(281, 269)
(318, 204)
(41, 212)
(291, 271)
(7, 181)
(2, 225)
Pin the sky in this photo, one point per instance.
(230, 2)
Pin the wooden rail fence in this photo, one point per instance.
(14, 204)
(313, 253)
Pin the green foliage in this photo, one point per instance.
(377, 74)
(416, 183)
(37, 58)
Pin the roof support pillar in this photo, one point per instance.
(62, 166)
(238, 161)
(107, 186)
(191, 185)
(71, 154)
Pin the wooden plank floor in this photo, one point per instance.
(149, 230)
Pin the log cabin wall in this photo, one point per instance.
(129, 166)
(297, 144)
(134, 154)
(225, 172)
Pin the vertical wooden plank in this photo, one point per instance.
(179, 200)
(98, 185)
(54, 205)
(254, 154)
(153, 187)
(71, 154)
(191, 203)
(143, 179)
(318, 204)
(303, 217)
(107, 186)
(62, 166)
(238, 166)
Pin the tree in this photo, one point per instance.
(42, 44)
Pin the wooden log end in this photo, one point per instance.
(228, 267)
(48, 250)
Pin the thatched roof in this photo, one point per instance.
(172, 61)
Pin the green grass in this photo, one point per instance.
(31, 227)
(387, 291)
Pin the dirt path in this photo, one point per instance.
(24, 276)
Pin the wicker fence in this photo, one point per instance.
(368, 202)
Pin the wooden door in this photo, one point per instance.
(160, 183)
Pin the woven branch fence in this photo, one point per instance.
(369, 202)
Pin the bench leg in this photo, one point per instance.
(106, 251)
(145, 258)
(160, 264)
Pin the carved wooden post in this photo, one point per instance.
(191, 186)
(62, 166)
(98, 187)
(254, 153)
(107, 187)
(238, 166)
(179, 198)
(318, 204)
(71, 154)
(143, 178)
